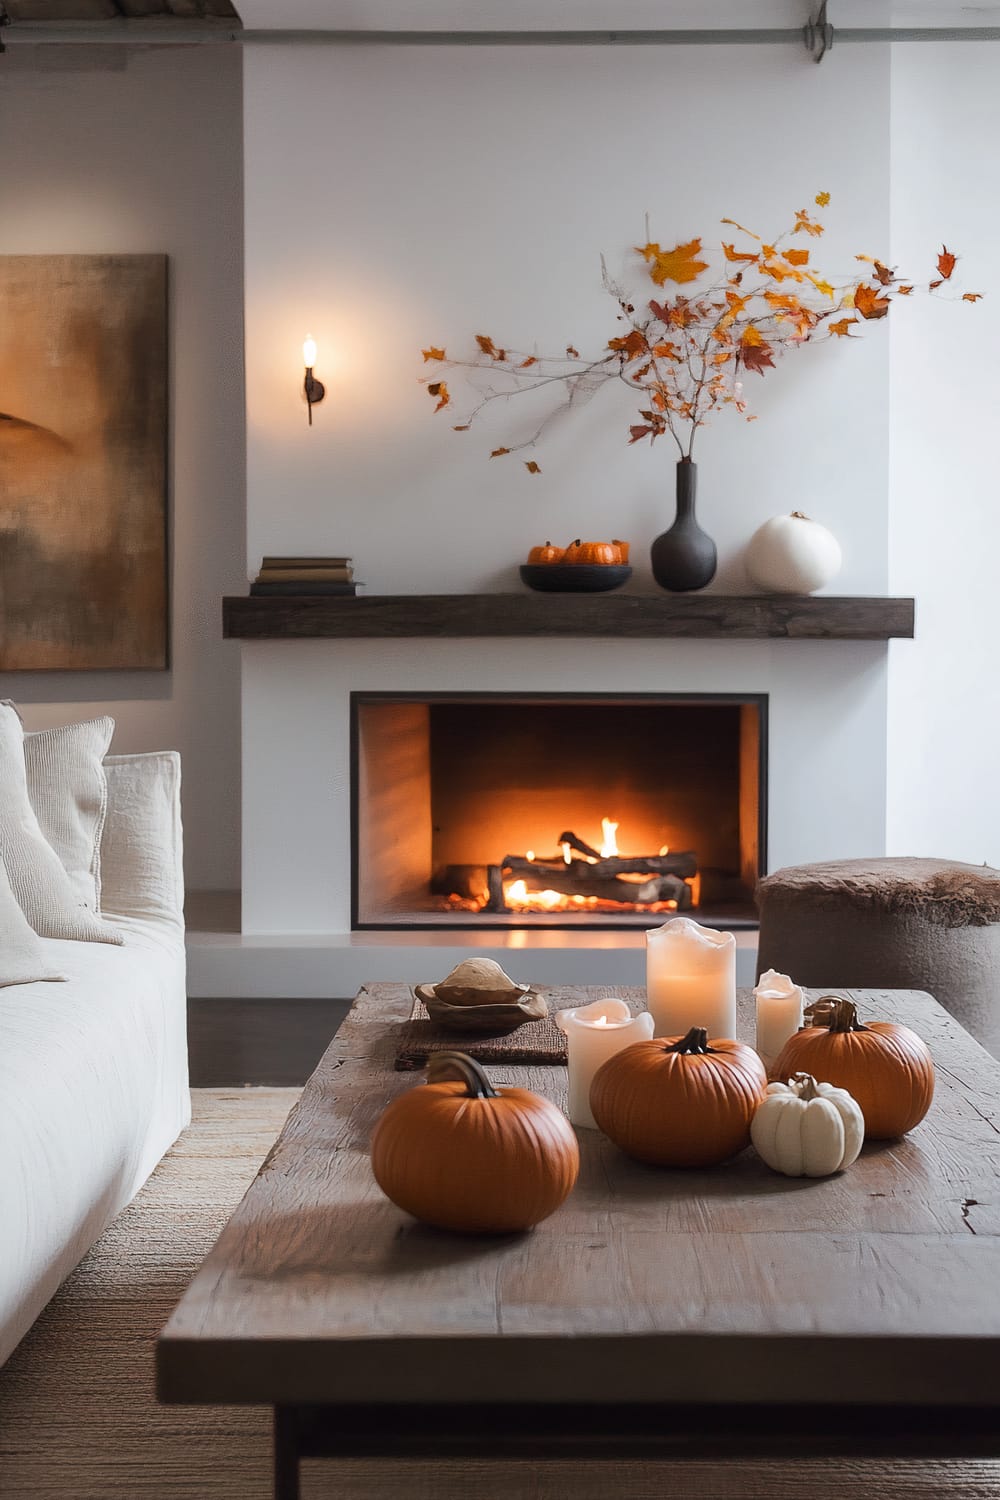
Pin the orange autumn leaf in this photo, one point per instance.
(731, 253)
(904, 291)
(723, 357)
(751, 336)
(463, 428)
(571, 352)
(882, 273)
(822, 199)
(797, 257)
(679, 264)
(946, 262)
(665, 351)
(531, 466)
(842, 328)
(498, 452)
(440, 390)
(526, 363)
(485, 343)
(433, 353)
(756, 353)
(632, 345)
(868, 302)
(823, 287)
(805, 225)
(972, 296)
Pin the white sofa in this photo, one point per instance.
(93, 1073)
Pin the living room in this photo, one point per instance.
(315, 687)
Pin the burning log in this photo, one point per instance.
(596, 877)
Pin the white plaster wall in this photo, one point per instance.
(944, 696)
(488, 215)
(396, 197)
(112, 151)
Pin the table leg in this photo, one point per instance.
(286, 1454)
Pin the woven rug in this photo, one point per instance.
(79, 1420)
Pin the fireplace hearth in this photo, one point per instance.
(556, 810)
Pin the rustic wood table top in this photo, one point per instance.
(734, 1284)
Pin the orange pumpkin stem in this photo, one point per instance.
(836, 1013)
(458, 1067)
(695, 1041)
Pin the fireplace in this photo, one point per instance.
(556, 810)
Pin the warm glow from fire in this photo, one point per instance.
(664, 849)
(529, 854)
(609, 846)
(567, 854)
(518, 896)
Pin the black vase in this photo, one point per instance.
(684, 557)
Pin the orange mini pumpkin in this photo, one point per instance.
(591, 552)
(623, 550)
(885, 1067)
(547, 554)
(460, 1154)
(679, 1101)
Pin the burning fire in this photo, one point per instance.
(609, 846)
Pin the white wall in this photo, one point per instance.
(396, 197)
(108, 151)
(944, 699)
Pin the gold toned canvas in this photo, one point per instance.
(83, 564)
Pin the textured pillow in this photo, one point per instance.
(21, 960)
(68, 790)
(42, 887)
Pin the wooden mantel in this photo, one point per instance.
(691, 616)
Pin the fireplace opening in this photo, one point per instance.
(556, 811)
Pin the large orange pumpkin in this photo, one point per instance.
(460, 1154)
(885, 1067)
(679, 1101)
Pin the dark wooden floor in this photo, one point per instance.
(232, 1043)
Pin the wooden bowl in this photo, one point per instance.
(483, 1019)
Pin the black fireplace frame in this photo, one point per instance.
(543, 921)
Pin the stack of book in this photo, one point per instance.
(305, 575)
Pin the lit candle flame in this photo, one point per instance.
(609, 847)
(601, 1021)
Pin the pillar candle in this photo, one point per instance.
(691, 979)
(779, 1013)
(593, 1034)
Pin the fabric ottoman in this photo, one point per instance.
(928, 924)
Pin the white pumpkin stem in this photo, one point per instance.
(799, 515)
(805, 1086)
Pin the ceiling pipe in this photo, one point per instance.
(208, 33)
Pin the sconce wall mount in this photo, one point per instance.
(314, 389)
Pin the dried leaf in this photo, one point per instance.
(972, 296)
(904, 291)
(751, 336)
(665, 350)
(932, 286)
(731, 253)
(573, 353)
(822, 199)
(882, 273)
(531, 466)
(440, 390)
(869, 258)
(497, 452)
(632, 345)
(679, 264)
(526, 363)
(433, 353)
(464, 427)
(823, 287)
(868, 302)
(842, 328)
(946, 262)
(805, 225)
(756, 353)
(485, 343)
(797, 257)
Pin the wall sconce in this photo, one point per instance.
(315, 389)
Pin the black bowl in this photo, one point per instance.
(575, 578)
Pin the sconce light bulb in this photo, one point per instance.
(309, 352)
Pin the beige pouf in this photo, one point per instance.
(924, 924)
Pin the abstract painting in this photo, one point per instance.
(83, 506)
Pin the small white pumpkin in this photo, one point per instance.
(807, 1129)
(792, 555)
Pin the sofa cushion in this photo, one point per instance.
(21, 958)
(143, 854)
(69, 793)
(44, 890)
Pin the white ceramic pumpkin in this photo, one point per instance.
(807, 1129)
(792, 555)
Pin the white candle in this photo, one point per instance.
(593, 1034)
(691, 979)
(779, 1013)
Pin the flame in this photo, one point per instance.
(567, 854)
(529, 854)
(609, 846)
(664, 849)
(517, 895)
(601, 1021)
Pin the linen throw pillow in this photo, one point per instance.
(42, 887)
(21, 957)
(68, 790)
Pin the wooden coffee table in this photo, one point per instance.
(653, 1308)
